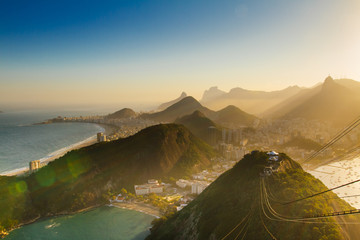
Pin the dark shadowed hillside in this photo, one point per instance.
(234, 116)
(184, 107)
(199, 125)
(123, 113)
(82, 178)
(235, 206)
(168, 104)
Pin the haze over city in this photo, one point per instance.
(77, 53)
(180, 119)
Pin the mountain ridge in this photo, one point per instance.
(85, 176)
(123, 113)
(165, 105)
(331, 101)
(239, 194)
(253, 102)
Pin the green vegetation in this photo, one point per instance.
(229, 199)
(233, 115)
(303, 143)
(199, 125)
(89, 176)
(123, 113)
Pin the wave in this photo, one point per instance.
(54, 155)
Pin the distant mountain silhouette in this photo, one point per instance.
(199, 125)
(349, 83)
(254, 102)
(123, 113)
(211, 94)
(330, 101)
(184, 107)
(235, 116)
(168, 104)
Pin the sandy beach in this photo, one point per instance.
(61, 152)
(140, 207)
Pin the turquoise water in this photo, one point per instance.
(22, 142)
(101, 223)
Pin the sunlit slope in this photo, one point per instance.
(83, 178)
(254, 102)
(334, 101)
(238, 197)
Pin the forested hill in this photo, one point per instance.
(83, 178)
(237, 201)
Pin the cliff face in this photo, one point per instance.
(82, 178)
(238, 195)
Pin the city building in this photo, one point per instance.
(34, 165)
(101, 137)
(182, 183)
(198, 187)
(152, 186)
(212, 135)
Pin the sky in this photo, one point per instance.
(58, 53)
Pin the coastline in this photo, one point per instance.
(53, 216)
(340, 172)
(139, 207)
(107, 129)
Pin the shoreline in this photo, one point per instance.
(337, 173)
(139, 207)
(37, 219)
(61, 152)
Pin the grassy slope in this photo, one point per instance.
(199, 125)
(228, 200)
(82, 178)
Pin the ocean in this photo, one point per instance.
(22, 142)
(339, 173)
(102, 223)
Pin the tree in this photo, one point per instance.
(123, 190)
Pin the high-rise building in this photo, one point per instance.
(99, 136)
(34, 165)
(212, 135)
(223, 135)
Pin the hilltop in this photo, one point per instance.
(184, 107)
(241, 193)
(199, 125)
(123, 113)
(168, 104)
(254, 102)
(232, 115)
(332, 101)
(84, 177)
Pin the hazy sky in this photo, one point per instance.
(85, 52)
